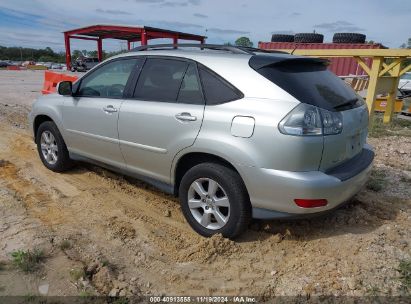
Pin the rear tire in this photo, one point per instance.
(223, 207)
(51, 148)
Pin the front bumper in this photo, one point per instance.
(272, 192)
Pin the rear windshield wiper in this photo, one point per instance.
(349, 102)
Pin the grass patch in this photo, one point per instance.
(405, 179)
(373, 291)
(120, 301)
(377, 180)
(108, 264)
(397, 127)
(28, 298)
(77, 273)
(85, 294)
(65, 245)
(28, 261)
(405, 274)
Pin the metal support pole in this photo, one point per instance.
(68, 52)
(372, 86)
(175, 40)
(392, 95)
(128, 45)
(144, 38)
(100, 49)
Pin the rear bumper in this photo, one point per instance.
(272, 192)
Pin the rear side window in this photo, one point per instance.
(217, 90)
(160, 80)
(310, 83)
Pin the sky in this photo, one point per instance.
(40, 23)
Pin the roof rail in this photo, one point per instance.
(228, 48)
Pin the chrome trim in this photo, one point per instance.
(143, 147)
(99, 137)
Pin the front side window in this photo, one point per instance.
(109, 80)
(160, 80)
(190, 90)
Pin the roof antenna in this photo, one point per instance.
(294, 50)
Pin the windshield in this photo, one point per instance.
(310, 83)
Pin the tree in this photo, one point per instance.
(406, 45)
(244, 41)
(76, 54)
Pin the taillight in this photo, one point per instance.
(310, 203)
(308, 120)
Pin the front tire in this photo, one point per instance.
(214, 200)
(52, 148)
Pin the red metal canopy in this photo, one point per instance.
(122, 32)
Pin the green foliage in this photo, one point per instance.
(27, 261)
(2, 265)
(405, 274)
(244, 41)
(47, 54)
(406, 45)
(77, 273)
(377, 180)
(397, 127)
(65, 244)
(121, 301)
(23, 54)
(86, 294)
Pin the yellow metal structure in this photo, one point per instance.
(384, 73)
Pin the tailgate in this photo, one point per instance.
(350, 142)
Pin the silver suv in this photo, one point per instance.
(236, 133)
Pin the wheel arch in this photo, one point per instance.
(190, 159)
(38, 120)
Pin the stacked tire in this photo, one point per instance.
(282, 38)
(348, 38)
(308, 38)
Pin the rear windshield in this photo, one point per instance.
(311, 83)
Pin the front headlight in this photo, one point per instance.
(308, 120)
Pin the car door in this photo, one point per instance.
(90, 116)
(164, 116)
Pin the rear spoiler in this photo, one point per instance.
(260, 61)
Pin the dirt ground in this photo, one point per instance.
(102, 233)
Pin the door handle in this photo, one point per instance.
(185, 117)
(110, 109)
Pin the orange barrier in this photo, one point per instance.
(51, 79)
(381, 104)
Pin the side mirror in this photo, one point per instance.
(65, 88)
